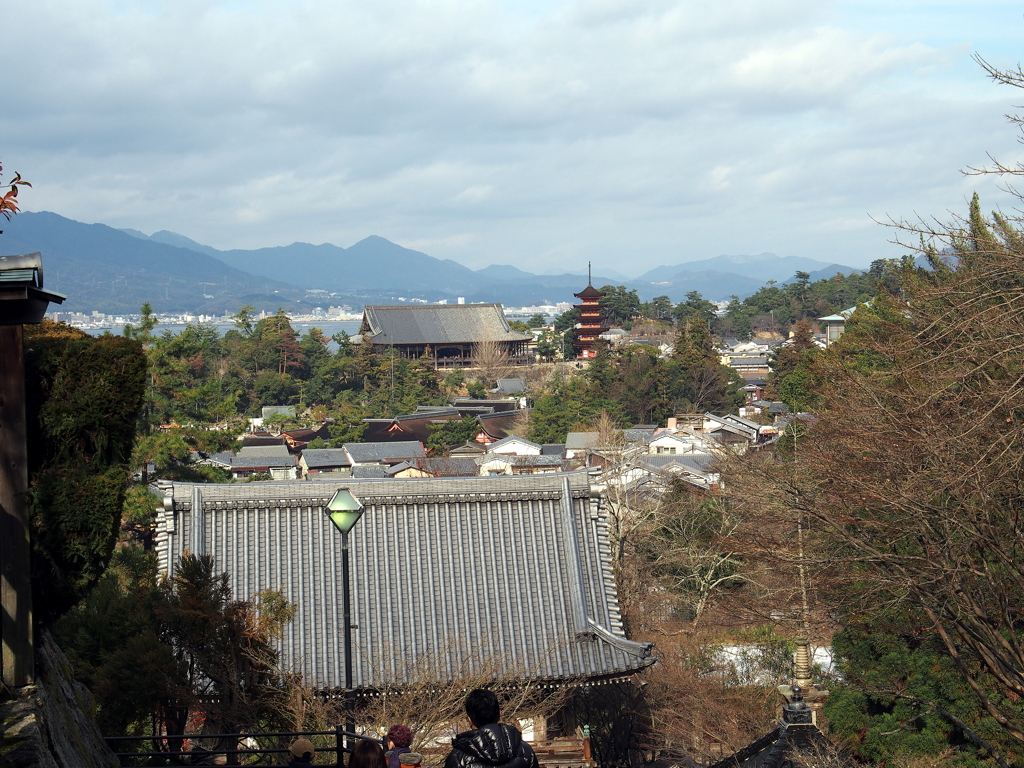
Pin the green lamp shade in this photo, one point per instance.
(344, 509)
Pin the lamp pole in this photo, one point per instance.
(344, 510)
(347, 610)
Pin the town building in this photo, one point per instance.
(445, 332)
(434, 589)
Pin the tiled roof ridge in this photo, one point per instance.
(566, 624)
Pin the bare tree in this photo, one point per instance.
(428, 694)
(492, 360)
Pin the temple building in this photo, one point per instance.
(592, 321)
(444, 331)
(447, 575)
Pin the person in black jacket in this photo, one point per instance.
(489, 744)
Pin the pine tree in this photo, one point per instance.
(700, 381)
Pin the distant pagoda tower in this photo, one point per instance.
(592, 322)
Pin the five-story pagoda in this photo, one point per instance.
(592, 322)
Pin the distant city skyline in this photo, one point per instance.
(630, 133)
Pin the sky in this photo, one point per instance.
(630, 133)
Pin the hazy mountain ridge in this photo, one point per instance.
(105, 269)
(115, 270)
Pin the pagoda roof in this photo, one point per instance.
(590, 292)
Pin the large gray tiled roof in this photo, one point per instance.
(450, 574)
(438, 324)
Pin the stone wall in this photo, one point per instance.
(49, 724)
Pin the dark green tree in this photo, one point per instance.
(620, 304)
(155, 653)
(84, 395)
(451, 434)
(568, 403)
(700, 381)
(792, 379)
(696, 309)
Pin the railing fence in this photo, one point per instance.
(214, 749)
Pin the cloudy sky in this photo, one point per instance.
(539, 133)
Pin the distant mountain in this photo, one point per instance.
(762, 267)
(376, 266)
(616, 277)
(721, 277)
(105, 269)
(116, 270)
(499, 272)
(712, 285)
(371, 265)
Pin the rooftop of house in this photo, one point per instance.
(498, 404)
(550, 613)
(698, 462)
(320, 458)
(468, 448)
(495, 425)
(384, 453)
(578, 441)
(257, 451)
(256, 463)
(438, 324)
(520, 461)
(509, 387)
(639, 434)
(370, 470)
(440, 466)
(512, 440)
(839, 317)
(263, 438)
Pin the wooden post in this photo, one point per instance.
(18, 659)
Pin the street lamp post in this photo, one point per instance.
(345, 509)
(22, 300)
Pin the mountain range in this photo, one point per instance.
(113, 270)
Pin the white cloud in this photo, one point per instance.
(642, 130)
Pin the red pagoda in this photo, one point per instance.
(592, 322)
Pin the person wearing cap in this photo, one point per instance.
(410, 760)
(399, 738)
(300, 753)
